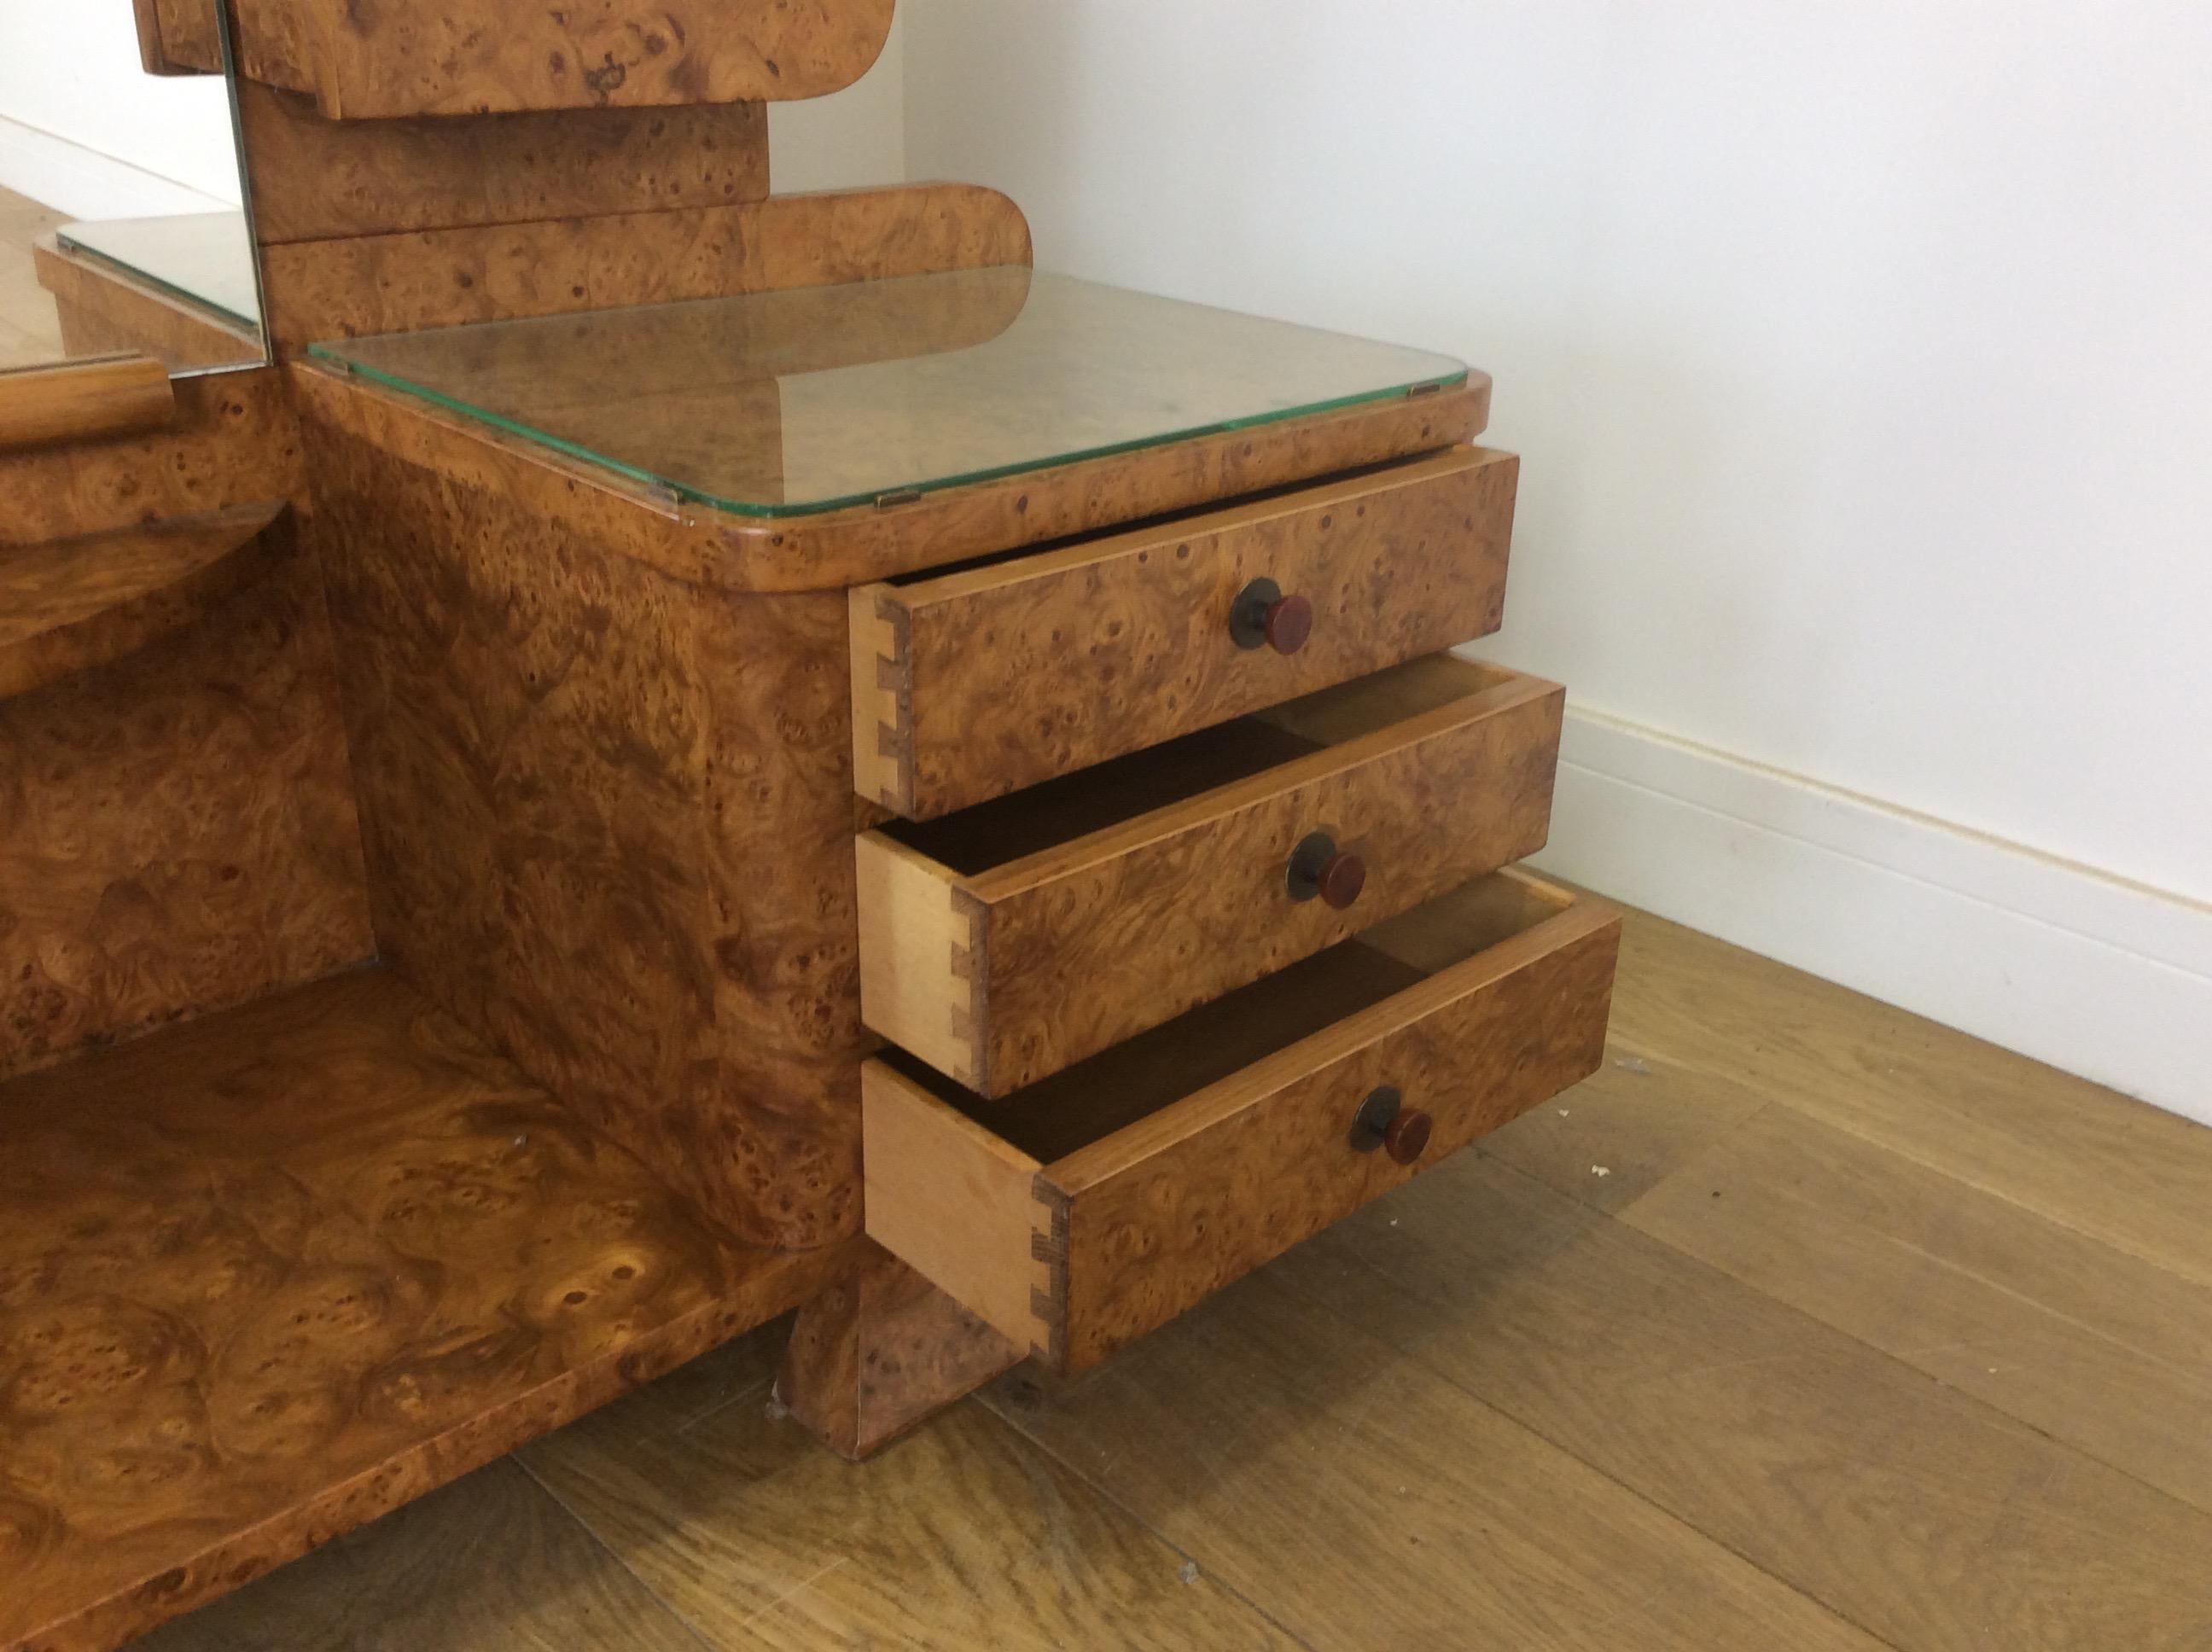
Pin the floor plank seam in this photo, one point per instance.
(753, 1391)
(2202, 1280)
(592, 1535)
(2011, 1294)
(2068, 1448)
(1451, 1378)
(1105, 1494)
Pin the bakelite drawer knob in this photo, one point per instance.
(1407, 1138)
(1384, 1121)
(1318, 867)
(1264, 618)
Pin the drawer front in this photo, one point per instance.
(1074, 1255)
(977, 683)
(1003, 976)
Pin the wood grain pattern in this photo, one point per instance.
(233, 442)
(1363, 1501)
(483, 57)
(179, 37)
(1105, 903)
(1925, 1517)
(608, 818)
(782, 927)
(104, 310)
(2092, 1347)
(839, 548)
(854, 547)
(177, 826)
(1224, 1432)
(490, 1561)
(400, 282)
(957, 1201)
(881, 1353)
(267, 1277)
(997, 677)
(1173, 1186)
(318, 179)
(962, 1536)
(83, 401)
(2115, 1169)
(73, 605)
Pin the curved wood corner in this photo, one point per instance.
(83, 401)
(71, 604)
(405, 58)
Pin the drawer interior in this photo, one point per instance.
(1086, 1104)
(988, 835)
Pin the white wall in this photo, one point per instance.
(74, 102)
(1861, 356)
(851, 137)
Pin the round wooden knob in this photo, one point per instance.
(1406, 1138)
(1288, 624)
(1383, 1121)
(1342, 878)
(1319, 867)
(1263, 617)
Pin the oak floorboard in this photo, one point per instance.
(962, 1535)
(1926, 1517)
(2094, 1347)
(2118, 1169)
(1625, 1129)
(491, 1564)
(1367, 1502)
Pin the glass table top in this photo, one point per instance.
(788, 402)
(204, 257)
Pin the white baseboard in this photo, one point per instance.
(83, 183)
(2087, 972)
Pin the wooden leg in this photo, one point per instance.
(883, 1353)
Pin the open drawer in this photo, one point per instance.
(972, 683)
(1005, 942)
(1087, 1210)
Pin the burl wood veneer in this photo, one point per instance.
(176, 823)
(402, 57)
(268, 1275)
(72, 605)
(878, 1353)
(610, 729)
(401, 282)
(1087, 1210)
(608, 817)
(227, 440)
(126, 395)
(1005, 941)
(1121, 643)
(317, 179)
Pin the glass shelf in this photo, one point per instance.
(790, 402)
(204, 258)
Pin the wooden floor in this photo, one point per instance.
(1804, 1324)
(29, 331)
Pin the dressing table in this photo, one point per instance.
(685, 753)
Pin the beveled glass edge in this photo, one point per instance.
(696, 495)
(68, 243)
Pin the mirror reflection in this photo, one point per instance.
(121, 229)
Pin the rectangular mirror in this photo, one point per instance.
(122, 230)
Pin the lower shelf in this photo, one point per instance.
(271, 1274)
